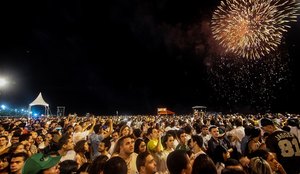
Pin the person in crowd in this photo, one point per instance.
(214, 141)
(284, 144)
(276, 167)
(237, 133)
(104, 145)
(115, 165)
(139, 146)
(80, 133)
(181, 136)
(197, 144)
(113, 140)
(4, 147)
(125, 150)
(84, 168)
(168, 144)
(97, 164)
(178, 162)
(205, 136)
(221, 155)
(145, 163)
(259, 166)
(203, 164)
(41, 164)
(68, 167)
(81, 147)
(4, 163)
(97, 136)
(66, 148)
(17, 147)
(254, 142)
(125, 130)
(17, 162)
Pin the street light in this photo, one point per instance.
(3, 82)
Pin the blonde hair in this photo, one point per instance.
(260, 166)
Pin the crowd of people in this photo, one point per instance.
(194, 144)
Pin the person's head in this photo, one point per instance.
(220, 154)
(125, 130)
(15, 138)
(65, 143)
(139, 146)
(41, 164)
(145, 163)
(269, 157)
(234, 164)
(4, 161)
(153, 132)
(104, 145)
(17, 147)
(68, 167)
(115, 136)
(255, 133)
(181, 136)
(115, 165)
(125, 145)
(267, 125)
(84, 168)
(17, 162)
(168, 141)
(232, 171)
(178, 161)
(260, 166)
(214, 131)
(203, 164)
(204, 130)
(81, 146)
(196, 140)
(3, 140)
(97, 164)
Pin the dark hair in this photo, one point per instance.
(177, 161)
(79, 146)
(204, 164)
(218, 153)
(20, 154)
(137, 145)
(68, 167)
(106, 142)
(115, 165)
(141, 160)
(212, 127)
(84, 168)
(120, 143)
(165, 139)
(198, 139)
(232, 171)
(98, 164)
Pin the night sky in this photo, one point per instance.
(133, 56)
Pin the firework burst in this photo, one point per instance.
(252, 28)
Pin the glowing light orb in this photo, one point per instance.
(252, 28)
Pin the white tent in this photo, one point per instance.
(39, 101)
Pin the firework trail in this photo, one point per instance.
(252, 28)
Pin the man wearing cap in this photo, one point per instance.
(284, 144)
(41, 164)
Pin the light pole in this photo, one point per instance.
(3, 82)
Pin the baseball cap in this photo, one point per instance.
(39, 162)
(266, 122)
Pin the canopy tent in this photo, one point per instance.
(164, 111)
(39, 101)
